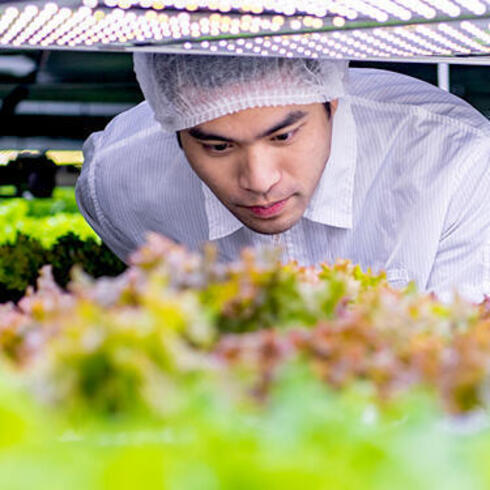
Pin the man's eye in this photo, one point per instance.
(284, 136)
(217, 148)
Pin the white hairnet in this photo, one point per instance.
(187, 90)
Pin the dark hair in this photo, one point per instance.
(325, 104)
(327, 108)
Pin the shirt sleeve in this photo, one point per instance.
(462, 261)
(86, 196)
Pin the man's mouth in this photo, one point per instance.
(269, 210)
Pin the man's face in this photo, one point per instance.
(263, 163)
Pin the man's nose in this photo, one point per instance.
(259, 170)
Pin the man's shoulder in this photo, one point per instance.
(135, 124)
(384, 90)
(134, 151)
(135, 178)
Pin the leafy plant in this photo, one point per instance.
(197, 313)
(21, 261)
(43, 219)
(185, 373)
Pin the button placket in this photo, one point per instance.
(286, 245)
(276, 243)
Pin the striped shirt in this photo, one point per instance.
(405, 189)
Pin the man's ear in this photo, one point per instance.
(333, 105)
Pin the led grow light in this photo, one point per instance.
(360, 29)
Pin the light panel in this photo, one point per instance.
(356, 29)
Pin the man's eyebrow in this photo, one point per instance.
(203, 136)
(290, 119)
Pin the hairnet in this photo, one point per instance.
(187, 90)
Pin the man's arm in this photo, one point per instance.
(463, 256)
(86, 196)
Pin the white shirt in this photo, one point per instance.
(405, 189)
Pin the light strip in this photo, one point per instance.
(59, 157)
(65, 108)
(286, 7)
(420, 42)
(65, 157)
(7, 155)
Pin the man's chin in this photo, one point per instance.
(269, 226)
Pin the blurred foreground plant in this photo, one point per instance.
(111, 345)
(184, 373)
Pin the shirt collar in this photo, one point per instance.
(331, 203)
(221, 222)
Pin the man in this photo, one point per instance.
(323, 161)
